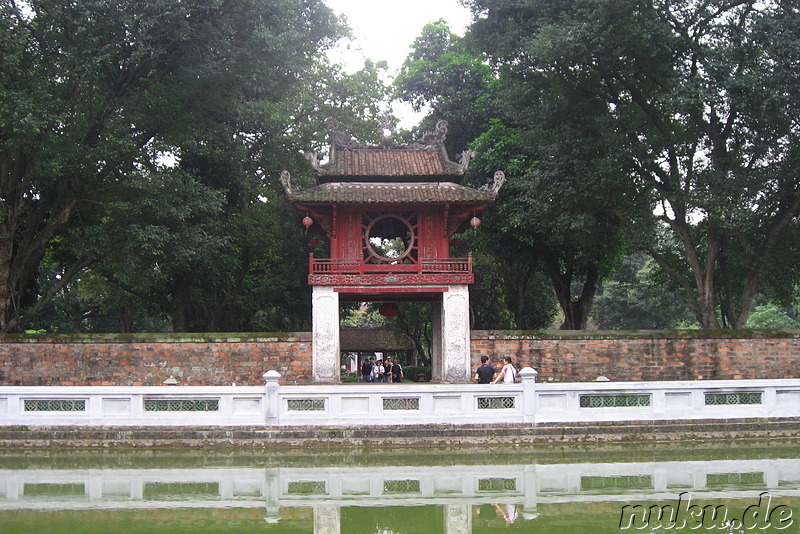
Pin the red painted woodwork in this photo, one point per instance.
(389, 212)
(354, 262)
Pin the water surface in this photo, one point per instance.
(722, 488)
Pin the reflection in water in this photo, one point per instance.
(554, 496)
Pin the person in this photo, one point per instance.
(366, 370)
(485, 373)
(377, 371)
(509, 515)
(397, 372)
(387, 365)
(508, 373)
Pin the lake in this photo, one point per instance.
(721, 487)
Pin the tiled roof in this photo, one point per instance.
(392, 193)
(375, 162)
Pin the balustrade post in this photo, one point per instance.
(271, 404)
(528, 376)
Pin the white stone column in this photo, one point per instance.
(327, 520)
(528, 376)
(455, 335)
(457, 519)
(271, 406)
(437, 336)
(325, 351)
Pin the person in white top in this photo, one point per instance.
(508, 373)
(378, 371)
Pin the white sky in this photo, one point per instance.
(386, 29)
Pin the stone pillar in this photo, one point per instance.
(454, 334)
(325, 352)
(436, 340)
(458, 519)
(271, 406)
(528, 376)
(271, 494)
(327, 520)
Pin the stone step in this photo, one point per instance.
(400, 435)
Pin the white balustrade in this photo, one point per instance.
(526, 485)
(397, 404)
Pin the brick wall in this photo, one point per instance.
(149, 359)
(111, 359)
(668, 355)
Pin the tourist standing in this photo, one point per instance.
(366, 370)
(397, 372)
(508, 373)
(387, 364)
(378, 371)
(485, 373)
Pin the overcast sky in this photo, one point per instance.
(386, 29)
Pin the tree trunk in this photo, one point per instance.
(180, 309)
(6, 299)
(576, 312)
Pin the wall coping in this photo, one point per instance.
(267, 337)
(183, 337)
(634, 334)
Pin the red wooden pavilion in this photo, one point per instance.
(389, 212)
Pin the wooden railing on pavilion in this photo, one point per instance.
(424, 266)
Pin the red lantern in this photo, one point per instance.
(455, 242)
(307, 221)
(475, 222)
(314, 241)
(388, 309)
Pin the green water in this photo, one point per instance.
(703, 488)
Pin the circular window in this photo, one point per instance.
(390, 238)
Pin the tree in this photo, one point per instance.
(94, 91)
(698, 102)
(443, 76)
(634, 298)
(771, 316)
(242, 267)
(548, 217)
(413, 320)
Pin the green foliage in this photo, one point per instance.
(414, 321)
(91, 92)
(96, 95)
(443, 76)
(359, 316)
(771, 316)
(681, 116)
(417, 374)
(509, 292)
(548, 218)
(633, 299)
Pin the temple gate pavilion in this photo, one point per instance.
(388, 213)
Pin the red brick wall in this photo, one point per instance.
(688, 355)
(149, 359)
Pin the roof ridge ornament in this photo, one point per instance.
(339, 137)
(432, 139)
(289, 185)
(464, 158)
(497, 183)
(313, 159)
